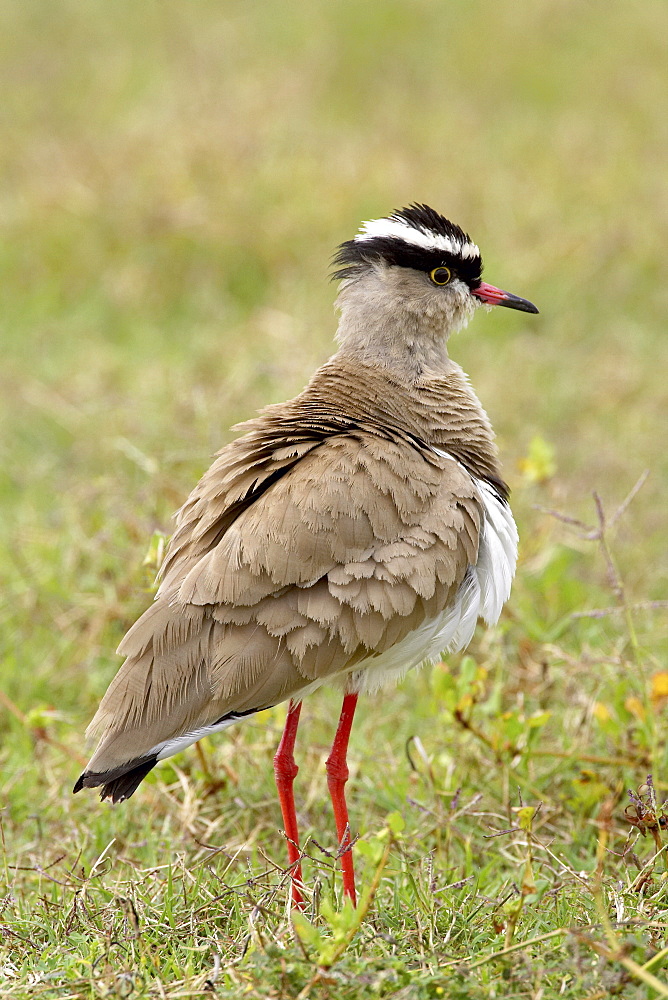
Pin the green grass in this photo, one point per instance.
(176, 176)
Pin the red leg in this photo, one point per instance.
(285, 771)
(337, 775)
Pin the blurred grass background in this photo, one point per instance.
(174, 179)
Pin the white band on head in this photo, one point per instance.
(396, 229)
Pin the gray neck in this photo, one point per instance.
(380, 327)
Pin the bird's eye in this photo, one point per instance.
(440, 275)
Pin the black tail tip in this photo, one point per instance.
(117, 784)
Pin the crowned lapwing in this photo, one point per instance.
(347, 535)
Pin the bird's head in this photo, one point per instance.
(416, 264)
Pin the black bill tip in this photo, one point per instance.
(515, 302)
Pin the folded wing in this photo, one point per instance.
(289, 565)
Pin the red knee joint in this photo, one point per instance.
(285, 768)
(337, 770)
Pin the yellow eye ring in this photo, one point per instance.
(441, 275)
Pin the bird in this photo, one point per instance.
(345, 536)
